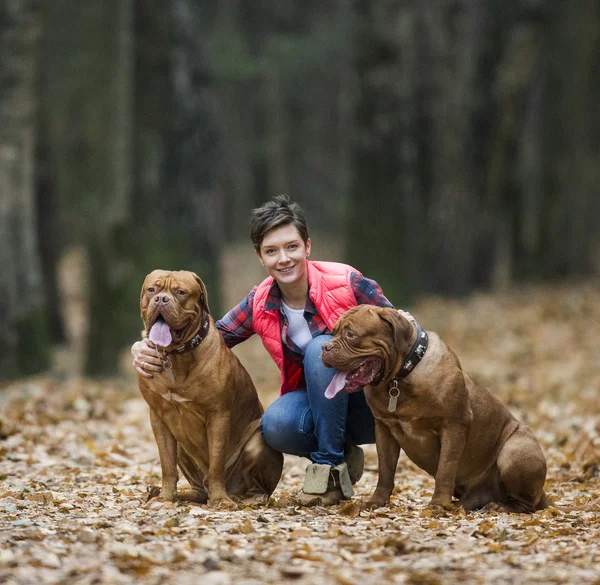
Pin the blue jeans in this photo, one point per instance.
(305, 423)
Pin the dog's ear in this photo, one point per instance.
(142, 291)
(144, 287)
(401, 329)
(343, 318)
(203, 293)
(143, 306)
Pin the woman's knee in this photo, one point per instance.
(274, 424)
(287, 424)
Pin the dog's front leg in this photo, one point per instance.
(388, 451)
(218, 439)
(452, 438)
(167, 452)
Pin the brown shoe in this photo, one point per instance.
(325, 485)
(329, 498)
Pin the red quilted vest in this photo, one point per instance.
(332, 294)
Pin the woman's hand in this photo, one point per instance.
(146, 358)
(407, 315)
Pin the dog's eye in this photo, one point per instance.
(350, 335)
(151, 289)
(181, 292)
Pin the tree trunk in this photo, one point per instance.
(572, 153)
(87, 80)
(24, 332)
(387, 205)
(179, 203)
(453, 216)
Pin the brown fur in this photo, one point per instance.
(447, 424)
(207, 420)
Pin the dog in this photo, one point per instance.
(204, 409)
(423, 402)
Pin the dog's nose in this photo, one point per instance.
(327, 346)
(161, 299)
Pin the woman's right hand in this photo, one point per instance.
(146, 358)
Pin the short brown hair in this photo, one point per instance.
(275, 213)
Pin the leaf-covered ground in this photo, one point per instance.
(77, 457)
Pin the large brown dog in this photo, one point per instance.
(447, 424)
(204, 409)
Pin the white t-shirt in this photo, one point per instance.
(298, 331)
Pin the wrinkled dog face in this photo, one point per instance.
(172, 305)
(359, 349)
(367, 342)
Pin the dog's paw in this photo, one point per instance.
(373, 503)
(495, 507)
(442, 510)
(155, 500)
(222, 504)
(154, 493)
(438, 510)
(442, 501)
(255, 500)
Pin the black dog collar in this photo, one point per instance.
(415, 355)
(195, 341)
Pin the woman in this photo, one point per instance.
(293, 311)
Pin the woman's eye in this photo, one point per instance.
(271, 251)
(292, 246)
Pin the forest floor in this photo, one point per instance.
(78, 455)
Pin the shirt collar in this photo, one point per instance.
(274, 300)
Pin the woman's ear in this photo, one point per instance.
(308, 246)
(259, 257)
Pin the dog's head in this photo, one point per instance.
(172, 305)
(368, 343)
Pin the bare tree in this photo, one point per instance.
(24, 332)
(87, 77)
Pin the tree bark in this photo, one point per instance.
(24, 332)
(571, 146)
(454, 211)
(387, 203)
(87, 72)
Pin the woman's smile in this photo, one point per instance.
(284, 254)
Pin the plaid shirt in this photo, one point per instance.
(236, 326)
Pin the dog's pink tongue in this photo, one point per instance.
(336, 385)
(160, 334)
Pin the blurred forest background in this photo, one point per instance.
(440, 146)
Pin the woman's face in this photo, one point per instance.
(284, 255)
